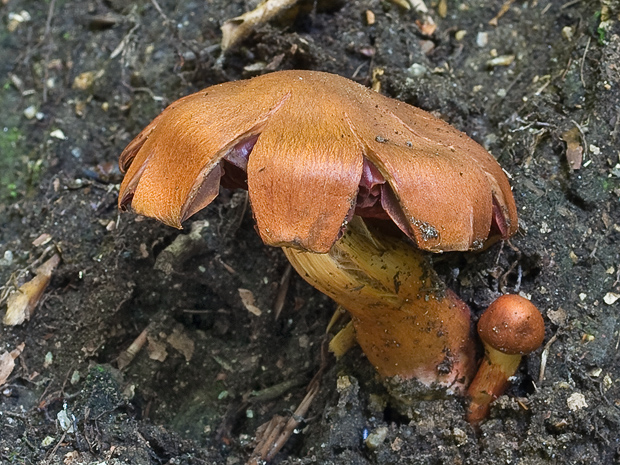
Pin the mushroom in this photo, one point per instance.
(509, 328)
(354, 187)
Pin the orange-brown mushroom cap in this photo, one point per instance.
(513, 325)
(312, 132)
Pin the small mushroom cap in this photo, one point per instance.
(513, 325)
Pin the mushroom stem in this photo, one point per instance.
(491, 381)
(406, 322)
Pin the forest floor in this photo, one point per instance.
(80, 78)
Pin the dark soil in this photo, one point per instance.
(204, 402)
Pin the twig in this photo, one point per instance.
(583, 60)
(285, 281)
(127, 356)
(502, 11)
(503, 280)
(275, 391)
(48, 27)
(124, 41)
(156, 98)
(273, 435)
(543, 358)
(62, 438)
(570, 62)
(160, 11)
(569, 4)
(583, 137)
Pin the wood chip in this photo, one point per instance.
(127, 356)
(370, 17)
(502, 60)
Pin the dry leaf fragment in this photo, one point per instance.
(574, 149)
(7, 362)
(181, 342)
(236, 29)
(21, 304)
(247, 298)
(156, 349)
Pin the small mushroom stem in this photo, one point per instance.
(491, 381)
(406, 322)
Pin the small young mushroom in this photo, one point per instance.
(511, 327)
(334, 170)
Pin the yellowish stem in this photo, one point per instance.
(407, 323)
(490, 382)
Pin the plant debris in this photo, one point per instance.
(248, 301)
(574, 148)
(22, 303)
(236, 29)
(7, 362)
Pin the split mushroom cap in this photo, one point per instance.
(318, 148)
(513, 325)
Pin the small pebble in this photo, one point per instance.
(376, 437)
(576, 401)
(502, 60)
(611, 298)
(417, 70)
(58, 134)
(30, 112)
